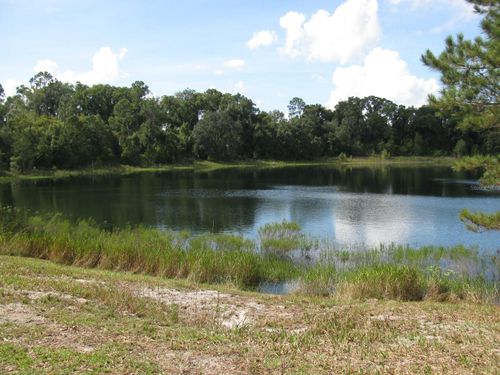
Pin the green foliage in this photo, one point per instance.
(53, 125)
(392, 272)
(207, 258)
(217, 137)
(296, 107)
(460, 148)
(480, 221)
(470, 74)
(280, 238)
(488, 166)
(342, 157)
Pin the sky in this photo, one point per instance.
(268, 50)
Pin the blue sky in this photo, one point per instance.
(271, 51)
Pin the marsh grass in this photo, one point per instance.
(403, 273)
(280, 239)
(387, 272)
(208, 258)
(319, 280)
(384, 281)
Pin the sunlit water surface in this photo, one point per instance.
(355, 207)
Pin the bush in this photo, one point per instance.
(385, 154)
(342, 157)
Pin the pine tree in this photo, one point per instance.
(471, 73)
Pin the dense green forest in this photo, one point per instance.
(51, 124)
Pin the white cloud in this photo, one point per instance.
(292, 23)
(122, 53)
(383, 74)
(10, 86)
(46, 66)
(234, 64)
(105, 68)
(342, 36)
(262, 38)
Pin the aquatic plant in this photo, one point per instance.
(386, 272)
(280, 238)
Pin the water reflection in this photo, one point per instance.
(366, 206)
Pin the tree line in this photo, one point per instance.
(51, 124)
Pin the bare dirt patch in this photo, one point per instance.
(54, 335)
(228, 310)
(20, 314)
(191, 362)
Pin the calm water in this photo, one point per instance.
(356, 207)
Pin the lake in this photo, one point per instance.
(353, 206)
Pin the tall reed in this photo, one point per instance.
(386, 272)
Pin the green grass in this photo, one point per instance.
(480, 221)
(399, 272)
(207, 258)
(384, 281)
(387, 272)
(279, 239)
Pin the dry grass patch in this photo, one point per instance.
(91, 321)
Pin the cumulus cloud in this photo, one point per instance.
(262, 38)
(382, 74)
(105, 68)
(342, 36)
(10, 86)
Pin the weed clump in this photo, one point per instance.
(207, 258)
(384, 281)
(279, 239)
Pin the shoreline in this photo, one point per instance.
(197, 166)
(385, 272)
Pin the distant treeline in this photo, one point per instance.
(52, 124)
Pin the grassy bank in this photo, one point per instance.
(57, 319)
(392, 272)
(209, 165)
